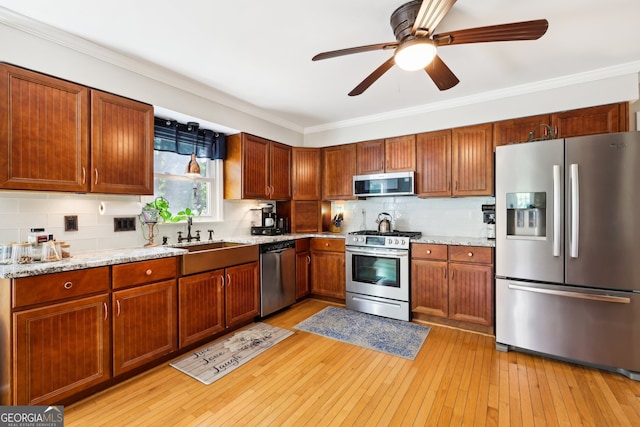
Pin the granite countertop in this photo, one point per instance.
(121, 256)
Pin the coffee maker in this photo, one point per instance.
(272, 225)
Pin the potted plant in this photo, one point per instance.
(158, 211)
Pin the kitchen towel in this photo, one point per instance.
(117, 208)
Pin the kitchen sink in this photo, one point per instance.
(216, 255)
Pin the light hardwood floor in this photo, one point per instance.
(458, 378)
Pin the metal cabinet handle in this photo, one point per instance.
(84, 175)
(470, 254)
(308, 259)
(106, 311)
(228, 279)
(149, 272)
(68, 285)
(96, 169)
(428, 251)
(118, 307)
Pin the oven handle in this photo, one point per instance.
(370, 252)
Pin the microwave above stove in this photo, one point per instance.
(384, 184)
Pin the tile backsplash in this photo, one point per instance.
(20, 211)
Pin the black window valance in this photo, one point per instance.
(169, 135)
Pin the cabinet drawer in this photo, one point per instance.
(429, 251)
(137, 273)
(474, 254)
(329, 245)
(58, 286)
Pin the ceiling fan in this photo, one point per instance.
(416, 45)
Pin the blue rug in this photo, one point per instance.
(390, 336)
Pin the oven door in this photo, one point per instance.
(378, 272)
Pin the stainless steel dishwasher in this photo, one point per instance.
(277, 276)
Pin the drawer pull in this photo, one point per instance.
(148, 272)
(470, 254)
(326, 245)
(68, 285)
(428, 251)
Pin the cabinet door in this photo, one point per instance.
(433, 168)
(255, 168)
(201, 306)
(303, 261)
(471, 293)
(328, 274)
(400, 153)
(121, 145)
(370, 157)
(44, 134)
(521, 130)
(339, 167)
(279, 171)
(60, 350)
(472, 160)
(144, 324)
(242, 294)
(429, 287)
(592, 120)
(305, 175)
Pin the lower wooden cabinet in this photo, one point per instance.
(454, 284)
(328, 268)
(201, 306)
(303, 268)
(60, 350)
(242, 293)
(144, 324)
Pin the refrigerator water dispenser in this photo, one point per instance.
(526, 215)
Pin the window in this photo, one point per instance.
(174, 144)
(202, 195)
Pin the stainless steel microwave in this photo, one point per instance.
(384, 184)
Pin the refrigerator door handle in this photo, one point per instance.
(575, 210)
(578, 295)
(556, 210)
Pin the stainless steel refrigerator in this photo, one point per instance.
(568, 249)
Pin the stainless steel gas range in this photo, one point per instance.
(377, 270)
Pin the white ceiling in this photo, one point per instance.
(260, 51)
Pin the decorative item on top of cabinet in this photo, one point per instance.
(34, 157)
(256, 168)
(306, 173)
(328, 268)
(386, 155)
(338, 169)
(121, 145)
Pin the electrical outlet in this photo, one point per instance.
(124, 224)
(71, 223)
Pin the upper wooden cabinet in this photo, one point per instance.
(121, 145)
(456, 162)
(387, 155)
(520, 130)
(593, 120)
(433, 174)
(44, 137)
(305, 175)
(472, 160)
(44, 132)
(256, 168)
(338, 167)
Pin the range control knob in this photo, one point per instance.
(390, 241)
(397, 242)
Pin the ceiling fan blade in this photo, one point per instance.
(371, 78)
(429, 16)
(527, 30)
(441, 75)
(350, 50)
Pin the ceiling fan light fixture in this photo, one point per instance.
(415, 54)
